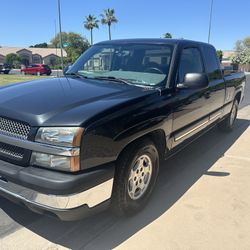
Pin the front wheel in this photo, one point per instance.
(228, 123)
(135, 177)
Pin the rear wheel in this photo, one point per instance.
(228, 123)
(136, 174)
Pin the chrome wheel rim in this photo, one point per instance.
(233, 115)
(140, 176)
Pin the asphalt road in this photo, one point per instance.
(201, 201)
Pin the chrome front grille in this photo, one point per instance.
(11, 151)
(13, 128)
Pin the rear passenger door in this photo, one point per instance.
(216, 88)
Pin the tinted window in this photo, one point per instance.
(212, 63)
(190, 62)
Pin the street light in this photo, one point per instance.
(210, 21)
(60, 32)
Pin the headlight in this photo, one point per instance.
(59, 162)
(60, 136)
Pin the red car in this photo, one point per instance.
(37, 69)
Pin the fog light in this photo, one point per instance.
(56, 161)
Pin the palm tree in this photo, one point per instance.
(90, 23)
(108, 18)
(167, 35)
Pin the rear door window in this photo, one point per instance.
(190, 62)
(212, 63)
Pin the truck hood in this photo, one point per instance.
(63, 101)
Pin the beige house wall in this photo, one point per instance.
(33, 55)
(37, 59)
(50, 59)
(1, 58)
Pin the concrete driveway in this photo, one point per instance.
(202, 201)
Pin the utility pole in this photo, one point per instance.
(210, 20)
(60, 32)
(56, 44)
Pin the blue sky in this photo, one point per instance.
(27, 22)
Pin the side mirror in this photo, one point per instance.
(194, 81)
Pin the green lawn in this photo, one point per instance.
(6, 79)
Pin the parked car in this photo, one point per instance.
(5, 68)
(37, 69)
(74, 145)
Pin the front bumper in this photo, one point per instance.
(68, 207)
(63, 195)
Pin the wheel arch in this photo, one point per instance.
(158, 137)
(238, 96)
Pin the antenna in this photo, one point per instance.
(210, 20)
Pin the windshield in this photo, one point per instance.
(138, 64)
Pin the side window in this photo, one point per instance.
(190, 62)
(212, 63)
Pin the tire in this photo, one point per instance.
(228, 123)
(128, 195)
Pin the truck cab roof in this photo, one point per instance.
(154, 41)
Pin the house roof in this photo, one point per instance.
(47, 51)
(43, 52)
(228, 53)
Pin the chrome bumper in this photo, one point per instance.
(57, 203)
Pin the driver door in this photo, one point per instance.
(190, 111)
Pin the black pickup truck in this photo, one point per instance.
(95, 138)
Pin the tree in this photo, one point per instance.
(219, 54)
(40, 45)
(12, 59)
(246, 42)
(242, 44)
(167, 35)
(242, 55)
(74, 44)
(90, 23)
(55, 42)
(108, 18)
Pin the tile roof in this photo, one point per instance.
(43, 52)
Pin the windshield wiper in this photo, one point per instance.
(111, 78)
(76, 74)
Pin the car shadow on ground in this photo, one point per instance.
(104, 230)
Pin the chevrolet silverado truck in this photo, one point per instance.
(95, 138)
